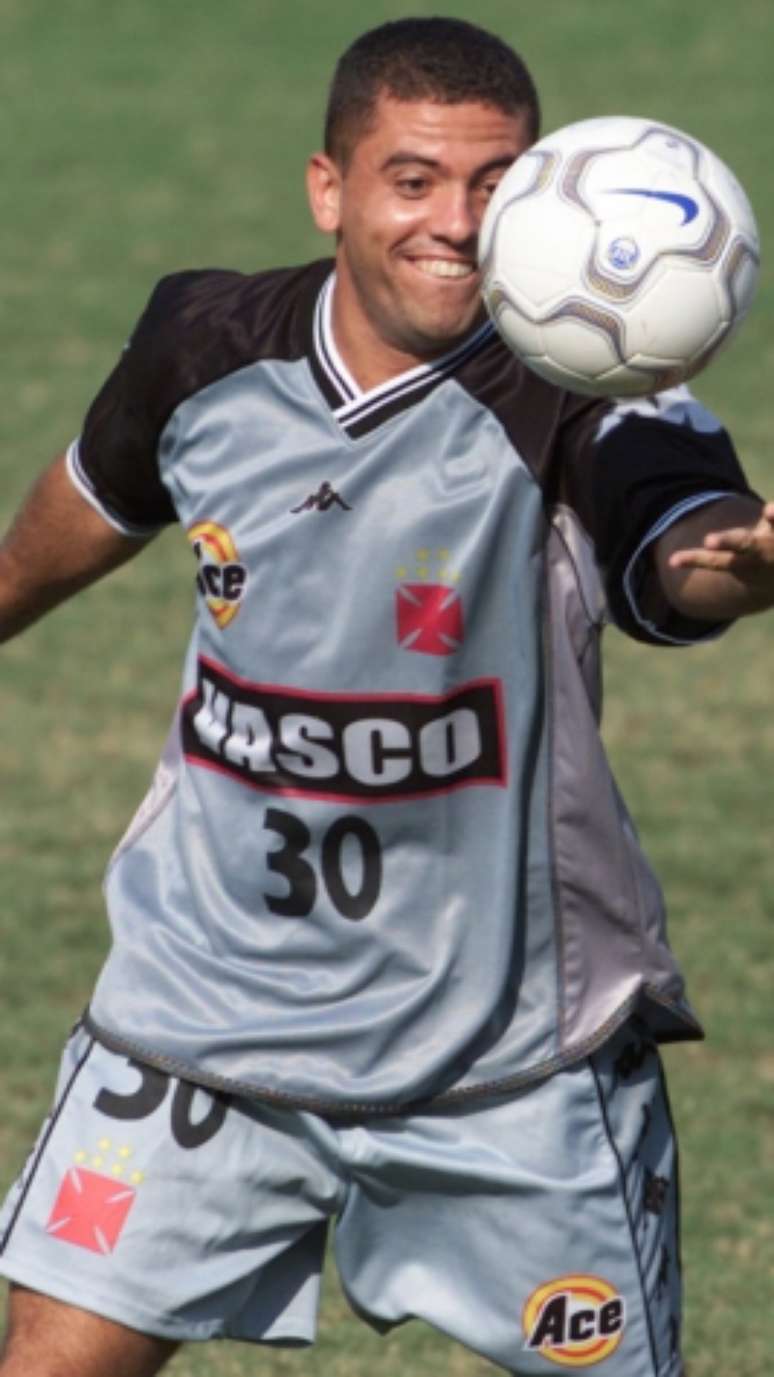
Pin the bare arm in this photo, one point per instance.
(56, 545)
(718, 562)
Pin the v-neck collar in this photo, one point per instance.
(358, 411)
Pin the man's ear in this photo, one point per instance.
(323, 184)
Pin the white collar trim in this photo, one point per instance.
(355, 397)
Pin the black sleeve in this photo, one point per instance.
(118, 446)
(197, 327)
(623, 469)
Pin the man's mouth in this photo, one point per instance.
(444, 267)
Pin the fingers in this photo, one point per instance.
(705, 559)
(737, 548)
(740, 538)
(734, 548)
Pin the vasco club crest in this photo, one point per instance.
(429, 614)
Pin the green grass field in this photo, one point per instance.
(172, 133)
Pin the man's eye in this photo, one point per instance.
(489, 187)
(413, 186)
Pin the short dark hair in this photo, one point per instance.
(446, 60)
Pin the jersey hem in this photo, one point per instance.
(685, 1028)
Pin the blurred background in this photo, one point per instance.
(139, 139)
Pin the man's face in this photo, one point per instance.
(406, 211)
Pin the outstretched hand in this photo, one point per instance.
(718, 562)
(746, 551)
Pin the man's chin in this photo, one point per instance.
(438, 334)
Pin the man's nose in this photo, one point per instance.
(455, 217)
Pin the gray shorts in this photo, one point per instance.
(540, 1230)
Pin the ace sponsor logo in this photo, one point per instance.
(574, 1320)
(222, 577)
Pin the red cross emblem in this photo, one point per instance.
(90, 1210)
(429, 618)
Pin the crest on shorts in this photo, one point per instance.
(575, 1320)
(92, 1207)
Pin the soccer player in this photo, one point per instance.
(386, 952)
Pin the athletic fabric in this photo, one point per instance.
(537, 1227)
(383, 861)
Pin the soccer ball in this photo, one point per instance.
(617, 256)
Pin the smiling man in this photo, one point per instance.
(406, 204)
(386, 953)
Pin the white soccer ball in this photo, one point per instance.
(617, 256)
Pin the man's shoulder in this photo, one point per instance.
(217, 309)
(202, 324)
(197, 292)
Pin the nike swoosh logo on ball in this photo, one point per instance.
(688, 206)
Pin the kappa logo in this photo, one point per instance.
(222, 578)
(321, 501)
(575, 1320)
(429, 614)
(92, 1206)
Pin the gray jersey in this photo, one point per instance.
(383, 860)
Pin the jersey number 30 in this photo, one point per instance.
(289, 861)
